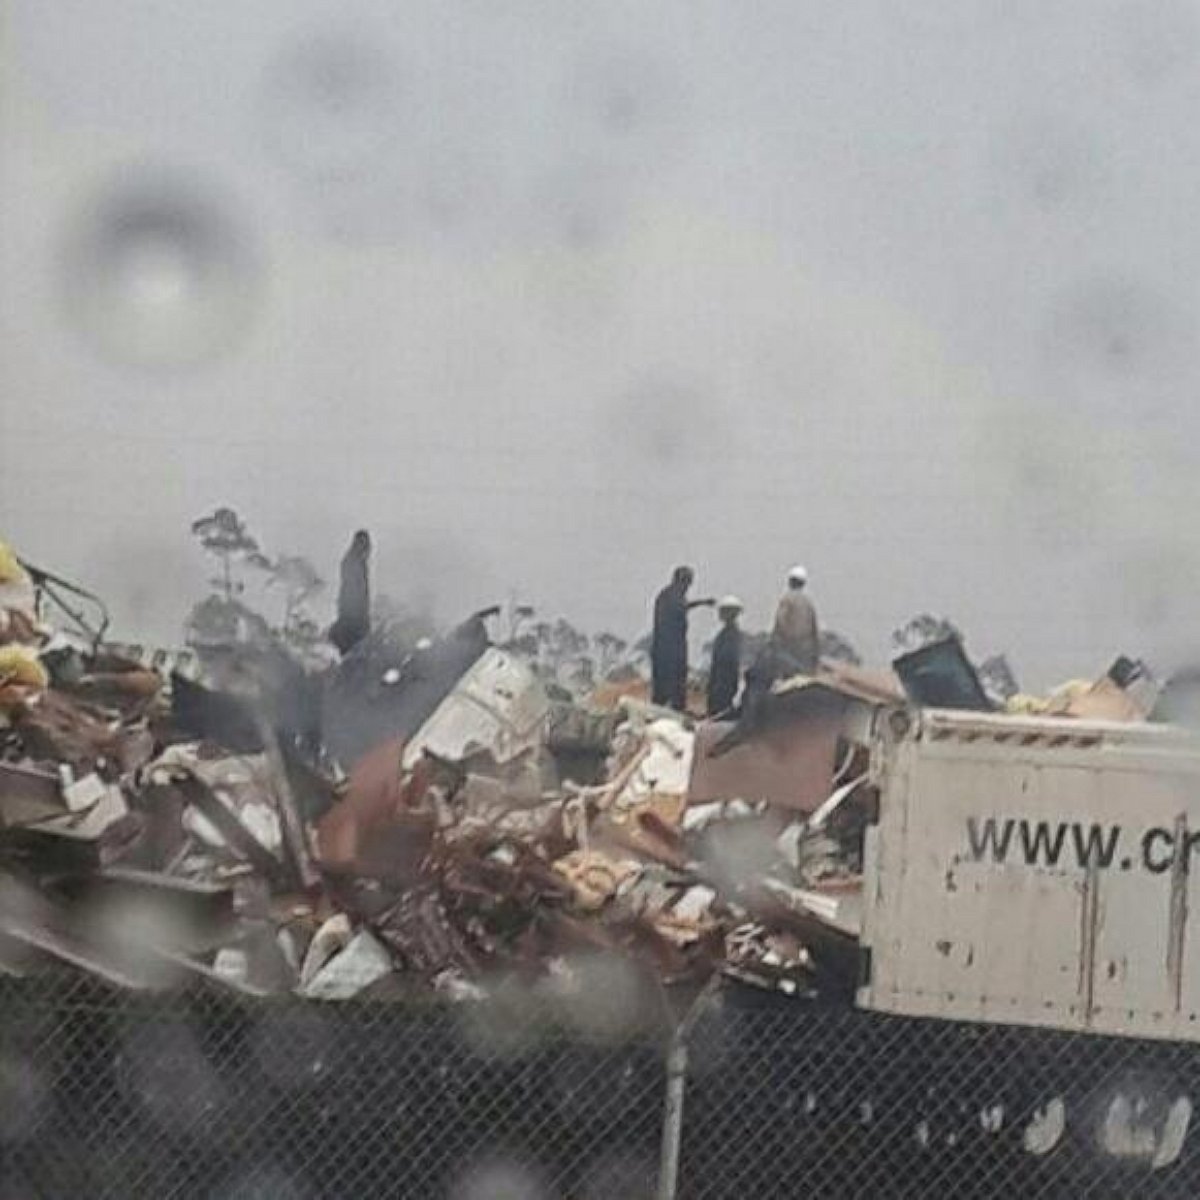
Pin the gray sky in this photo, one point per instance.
(552, 296)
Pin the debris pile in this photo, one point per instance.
(444, 820)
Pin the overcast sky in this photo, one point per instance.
(552, 296)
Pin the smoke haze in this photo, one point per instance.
(552, 296)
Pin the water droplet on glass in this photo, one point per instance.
(499, 1179)
(620, 1174)
(264, 1181)
(331, 102)
(991, 1120)
(158, 272)
(295, 1047)
(163, 1069)
(1045, 1127)
(24, 1099)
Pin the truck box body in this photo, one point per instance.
(1034, 871)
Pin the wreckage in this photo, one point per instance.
(923, 839)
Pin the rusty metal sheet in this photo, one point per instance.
(59, 729)
(369, 829)
(863, 683)
(420, 931)
(787, 766)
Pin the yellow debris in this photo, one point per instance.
(11, 570)
(20, 665)
(595, 877)
(1099, 699)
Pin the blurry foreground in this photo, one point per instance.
(627, 908)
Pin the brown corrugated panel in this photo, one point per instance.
(863, 683)
(789, 765)
(1103, 701)
(368, 830)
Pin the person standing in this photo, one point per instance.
(354, 595)
(725, 670)
(796, 636)
(669, 640)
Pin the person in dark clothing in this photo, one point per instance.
(354, 595)
(724, 673)
(668, 641)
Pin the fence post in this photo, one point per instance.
(672, 1131)
(677, 1065)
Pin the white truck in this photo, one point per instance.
(1033, 870)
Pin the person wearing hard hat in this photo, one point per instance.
(724, 674)
(796, 636)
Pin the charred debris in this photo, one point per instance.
(435, 814)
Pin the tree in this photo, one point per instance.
(558, 651)
(611, 648)
(567, 641)
(838, 648)
(224, 535)
(222, 617)
(214, 621)
(921, 631)
(299, 581)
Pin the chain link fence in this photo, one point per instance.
(202, 1094)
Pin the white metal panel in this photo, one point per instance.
(970, 932)
(498, 705)
(883, 869)
(1133, 971)
(1034, 934)
(961, 724)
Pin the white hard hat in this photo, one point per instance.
(798, 575)
(730, 602)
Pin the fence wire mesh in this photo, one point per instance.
(197, 1094)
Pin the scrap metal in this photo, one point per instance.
(447, 822)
